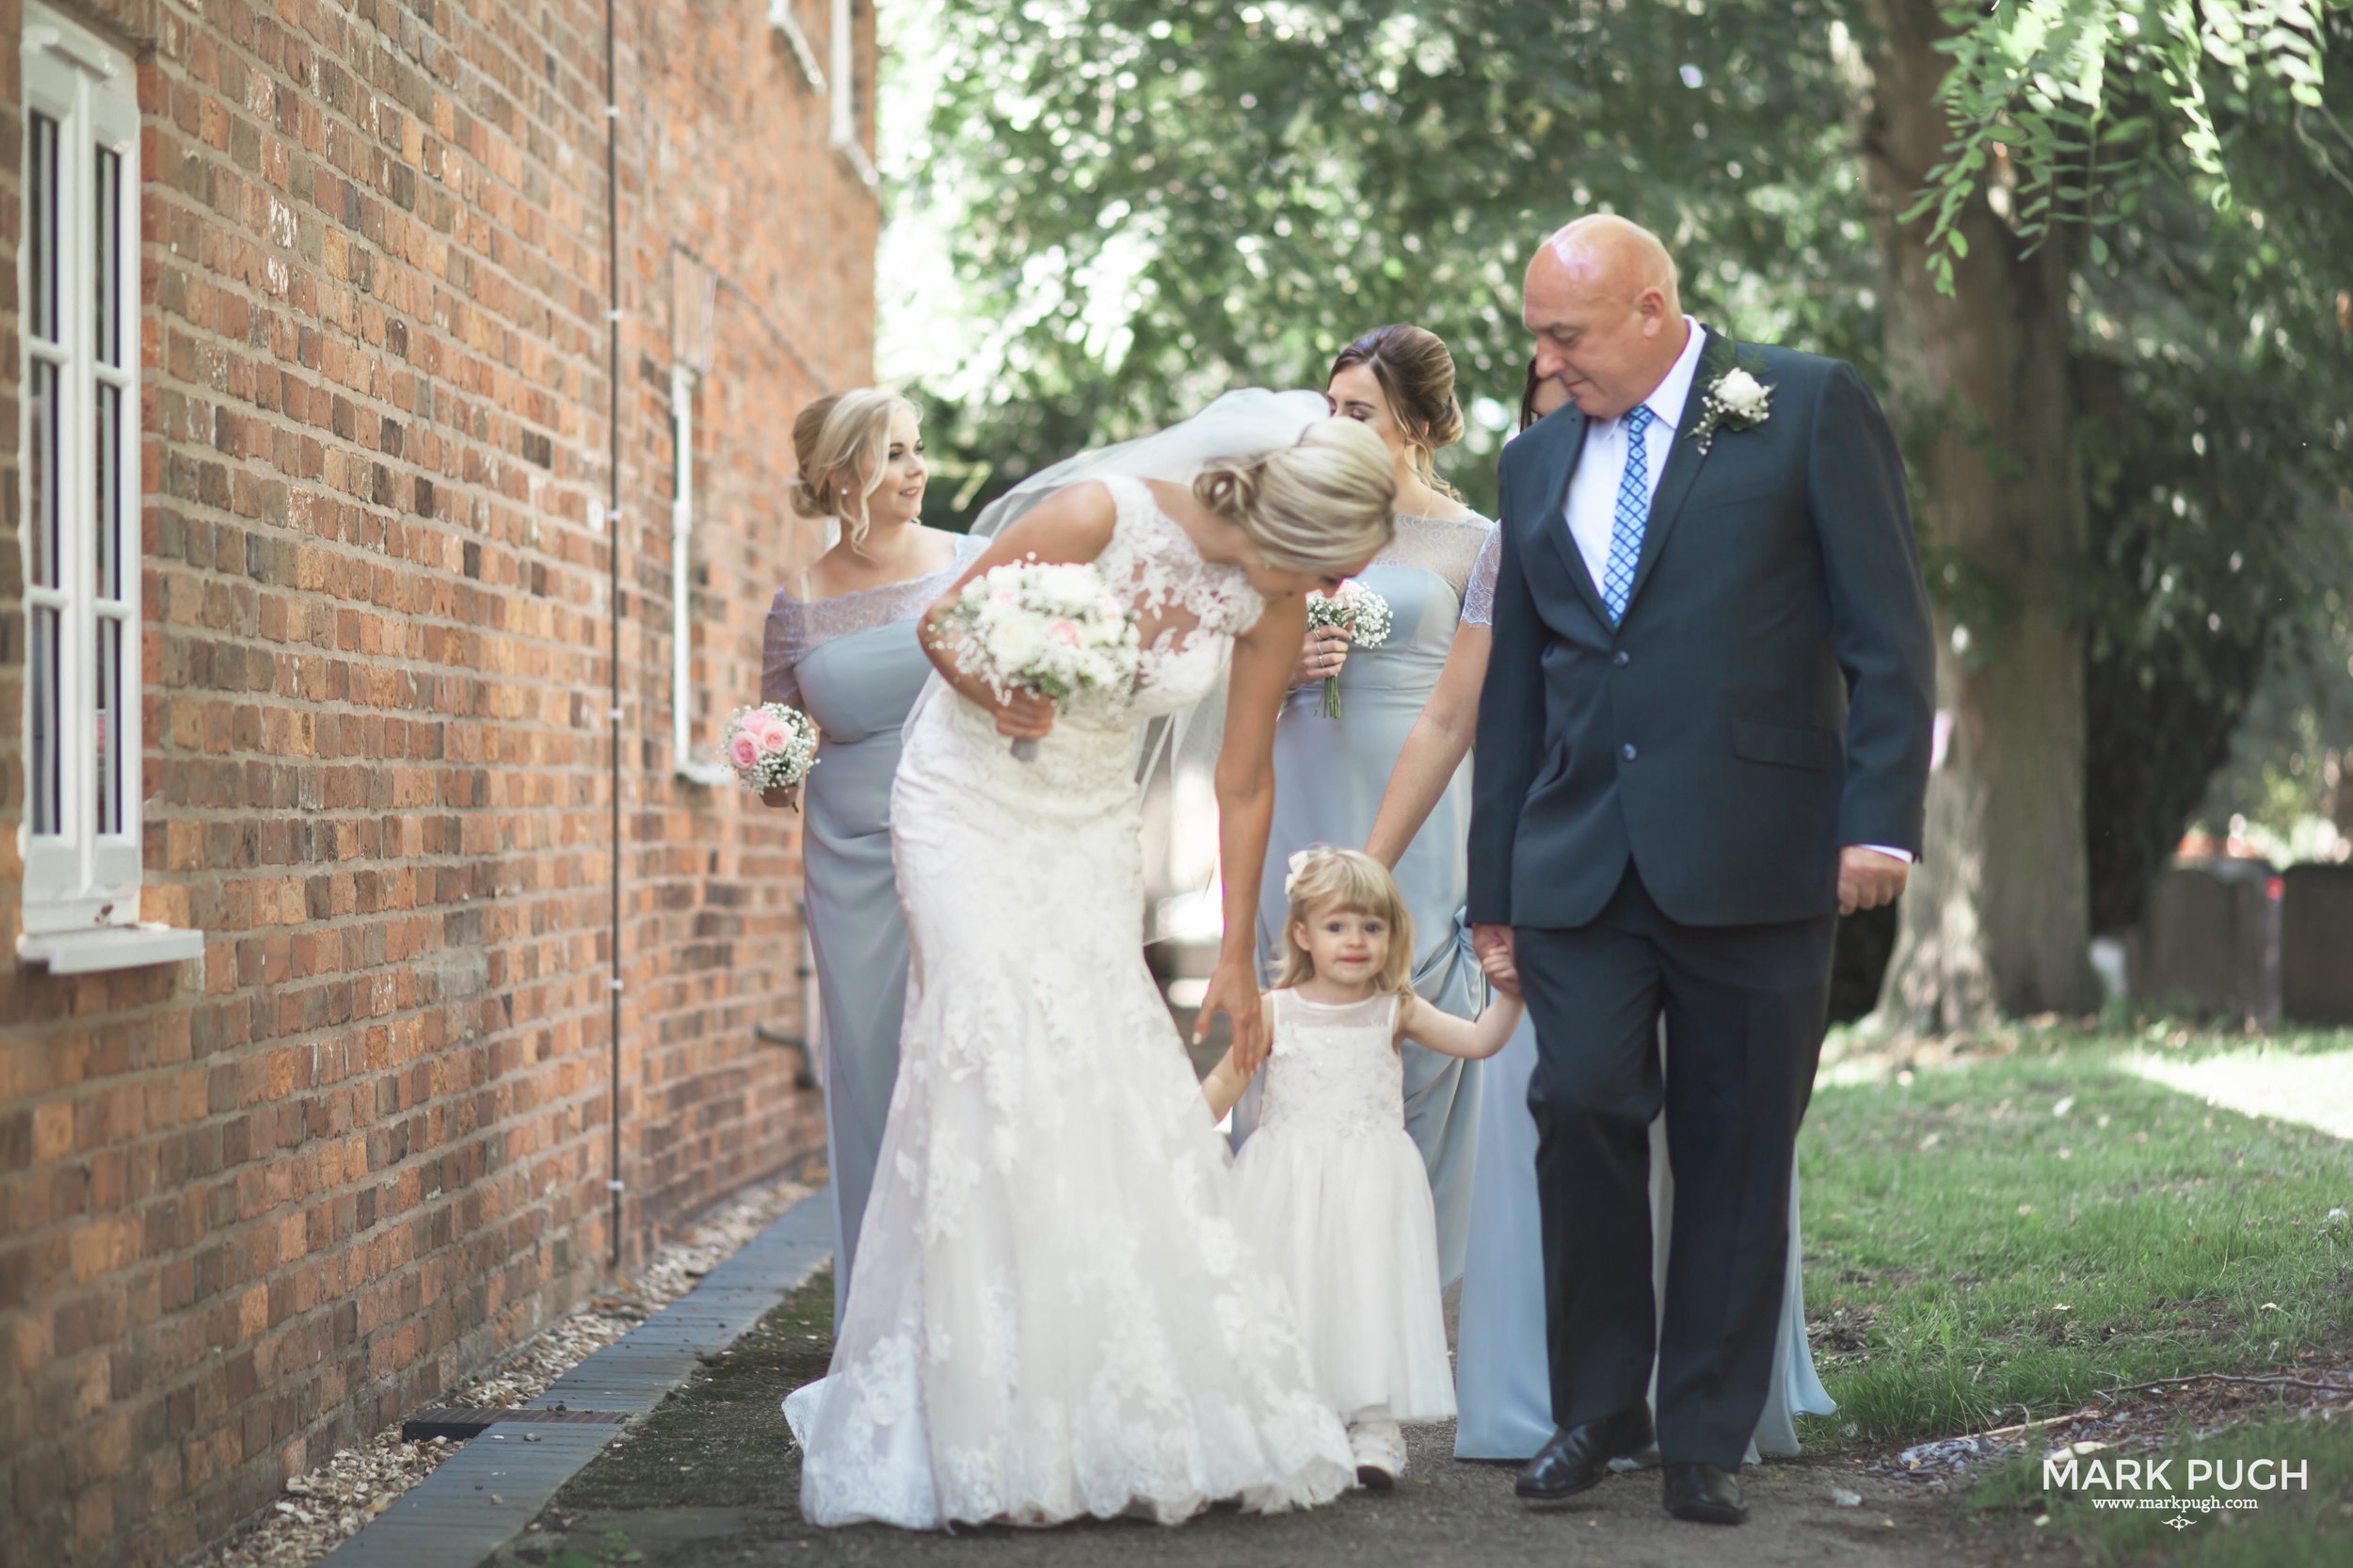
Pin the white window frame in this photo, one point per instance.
(683, 760)
(841, 50)
(82, 871)
(782, 19)
(845, 92)
(846, 132)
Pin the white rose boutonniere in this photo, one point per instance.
(1736, 400)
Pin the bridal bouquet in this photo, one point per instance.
(1052, 627)
(770, 747)
(1357, 611)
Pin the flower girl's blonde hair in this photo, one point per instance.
(1324, 881)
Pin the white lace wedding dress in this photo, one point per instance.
(1055, 1313)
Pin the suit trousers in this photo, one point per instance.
(1746, 1007)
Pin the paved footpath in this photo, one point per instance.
(711, 1478)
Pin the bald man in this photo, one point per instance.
(1704, 735)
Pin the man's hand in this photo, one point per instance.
(1867, 879)
(1234, 991)
(1492, 944)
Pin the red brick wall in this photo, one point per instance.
(255, 1207)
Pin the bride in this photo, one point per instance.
(1054, 1314)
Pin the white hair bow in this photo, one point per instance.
(1297, 864)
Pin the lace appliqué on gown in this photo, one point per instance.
(1176, 595)
(1056, 1312)
(1479, 597)
(1335, 1068)
(1445, 547)
(798, 627)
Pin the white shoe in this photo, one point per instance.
(1380, 1450)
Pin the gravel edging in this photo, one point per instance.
(327, 1505)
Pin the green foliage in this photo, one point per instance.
(2216, 419)
(2291, 767)
(1146, 204)
(2073, 108)
(1153, 203)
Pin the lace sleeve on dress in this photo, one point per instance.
(1478, 594)
(780, 651)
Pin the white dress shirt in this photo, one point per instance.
(1592, 507)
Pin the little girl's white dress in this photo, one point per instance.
(1335, 1194)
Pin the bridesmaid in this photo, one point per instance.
(1328, 773)
(1501, 1387)
(841, 647)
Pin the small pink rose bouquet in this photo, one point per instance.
(1052, 626)
(771, 746)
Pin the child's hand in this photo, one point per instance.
(1493, 943)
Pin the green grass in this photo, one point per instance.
(719, 1439)
(2309, 1527)
(1975, 1259)
(2171, 1038)
(715, 1446)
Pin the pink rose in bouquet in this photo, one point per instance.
(771, 746)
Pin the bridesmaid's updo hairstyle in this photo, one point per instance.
(837, 438)
(1327, 881)
(1416, 374)
(1327, 505)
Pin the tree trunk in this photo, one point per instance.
(1997, 918)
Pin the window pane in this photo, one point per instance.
(110, 245)
(109, 726)
(106, 525)
(41, 215)
(48, 708)
(41, 475)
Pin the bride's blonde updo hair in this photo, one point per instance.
(1327, 505)
(836, 439)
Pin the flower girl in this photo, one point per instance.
(1331, 1182)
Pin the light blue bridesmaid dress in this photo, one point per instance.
(1500, 1384)
(854, 665)
(1329, 777)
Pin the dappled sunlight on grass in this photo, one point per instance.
(2315, 1090)
(1998, 1241)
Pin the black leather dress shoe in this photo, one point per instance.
(1578, 1458)
(1704, 1494)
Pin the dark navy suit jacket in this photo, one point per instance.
(1767, 698)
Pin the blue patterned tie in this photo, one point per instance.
(1626, 534)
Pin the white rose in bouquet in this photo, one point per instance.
(1052, 628)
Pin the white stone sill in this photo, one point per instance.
(113, 946)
